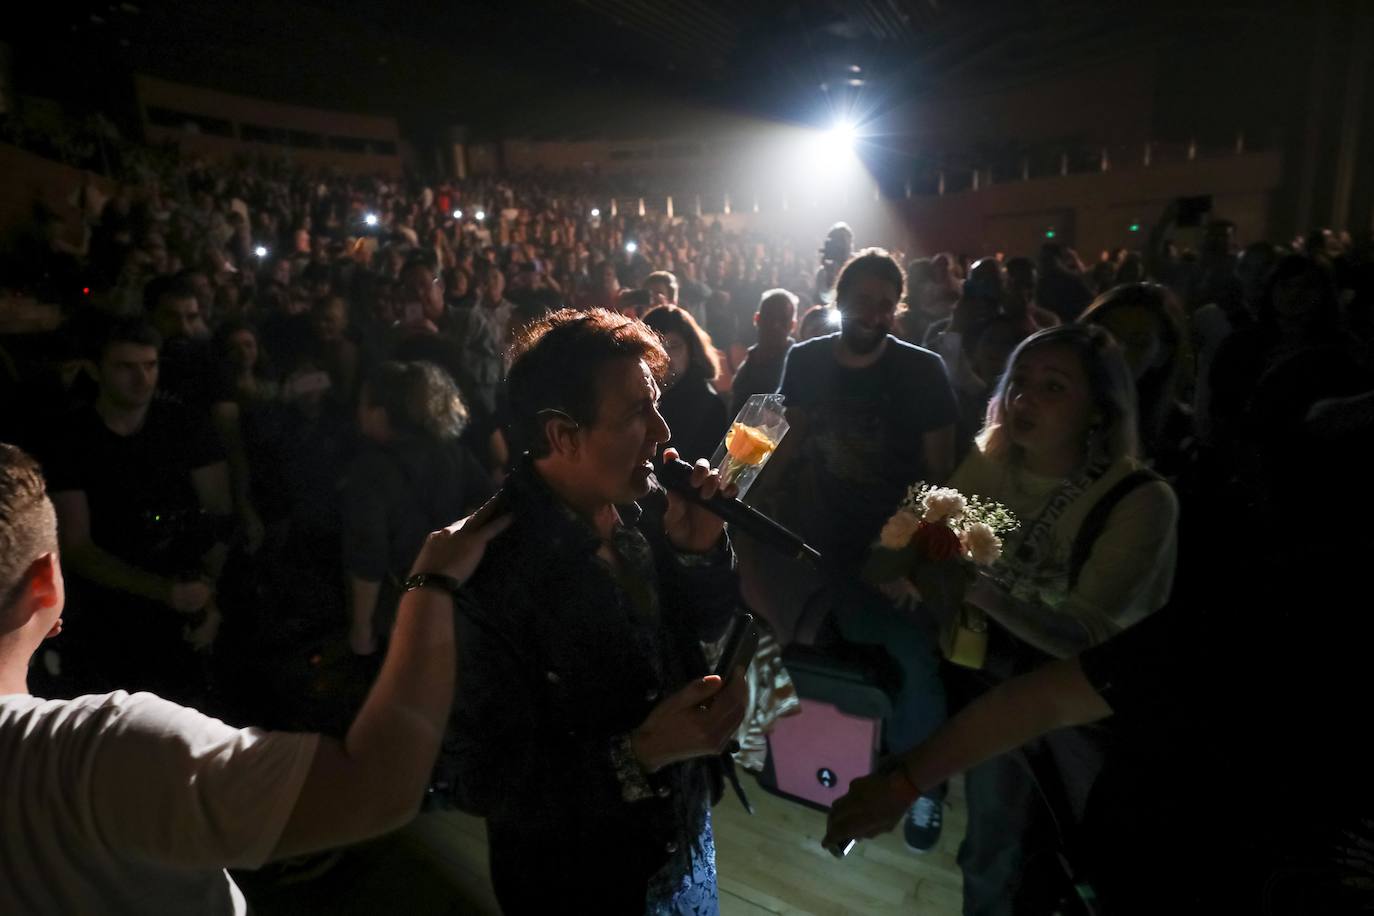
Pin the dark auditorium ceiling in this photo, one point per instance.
(509, 65)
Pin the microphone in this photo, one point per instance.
(677, 476)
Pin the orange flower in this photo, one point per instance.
(747, 445)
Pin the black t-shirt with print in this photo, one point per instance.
(864, 446)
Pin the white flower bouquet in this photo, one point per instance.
(936, 525)
(929, 551)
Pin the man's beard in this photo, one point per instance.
(861, 341)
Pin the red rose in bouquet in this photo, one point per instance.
(936, 538)
(936, 542)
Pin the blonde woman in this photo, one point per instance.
(1094, 554)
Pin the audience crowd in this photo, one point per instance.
(268, 385)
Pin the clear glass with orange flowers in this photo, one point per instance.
(750, 441)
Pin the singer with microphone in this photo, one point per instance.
(587, 728)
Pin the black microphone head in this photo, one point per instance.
(674, 475)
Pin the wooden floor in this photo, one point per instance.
(769, 863)
(773, 863)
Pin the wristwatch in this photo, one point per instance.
(433, 580)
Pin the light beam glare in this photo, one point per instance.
(840, 138)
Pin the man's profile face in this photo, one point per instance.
(866, 314)
(128, 374)
(614, 460)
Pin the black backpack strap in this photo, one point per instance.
(1096, 520)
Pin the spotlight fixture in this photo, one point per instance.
(840, 137)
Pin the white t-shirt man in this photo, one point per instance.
(131, 804)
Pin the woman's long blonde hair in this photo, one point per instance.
(1111, 387)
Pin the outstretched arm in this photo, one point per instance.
(1057, 695)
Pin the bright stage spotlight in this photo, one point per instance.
(830, 154)
(370, 219)
(839, 139)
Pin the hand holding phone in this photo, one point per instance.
(697, 721)
(740, 647)
(839, 850)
